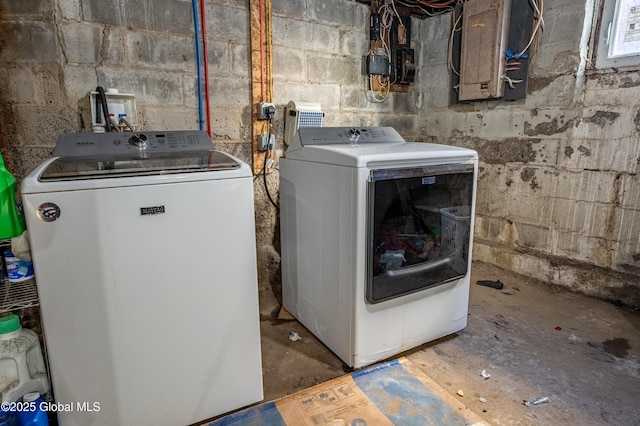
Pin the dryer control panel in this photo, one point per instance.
(344, 136)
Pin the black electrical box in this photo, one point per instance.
(377, 65)
(402, 56)
(374, 26)
(406, 66)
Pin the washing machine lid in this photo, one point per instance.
(81, 156)
(368, 147)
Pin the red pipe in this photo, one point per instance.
(203, 25)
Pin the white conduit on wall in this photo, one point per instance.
(584, 48)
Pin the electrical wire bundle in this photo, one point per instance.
(436, 4)
(513, 59)
(429, 7)
(378, 86)
(455, 27)
(381, 48)
(267, 161)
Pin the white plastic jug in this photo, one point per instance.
(22, 368)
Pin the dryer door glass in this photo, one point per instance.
(419, 228)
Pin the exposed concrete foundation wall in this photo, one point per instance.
(558, 190)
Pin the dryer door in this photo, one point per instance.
(419, 222)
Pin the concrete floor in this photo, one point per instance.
(535, 341)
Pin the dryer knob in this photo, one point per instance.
(139, 140)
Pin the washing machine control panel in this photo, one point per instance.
(126, 154)
(115, 144)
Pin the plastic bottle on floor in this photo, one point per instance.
(32, 413)
(22, 368)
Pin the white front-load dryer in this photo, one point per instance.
(376, 237)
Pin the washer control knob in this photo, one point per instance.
(139, 140)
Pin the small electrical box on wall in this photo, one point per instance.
(121, 110)
(390, 64)
(402, 56)
(485, 32)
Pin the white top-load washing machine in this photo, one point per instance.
(144, 251)
(376, 237)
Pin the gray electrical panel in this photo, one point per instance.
(485, 30)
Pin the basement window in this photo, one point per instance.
(619, 34)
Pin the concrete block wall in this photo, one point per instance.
(54, 52)
(558, 196)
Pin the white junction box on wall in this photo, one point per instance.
(120, 105)
(485, 32)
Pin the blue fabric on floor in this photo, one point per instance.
(403, 398)
(261, 415)
(393, 390)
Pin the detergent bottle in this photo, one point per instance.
(12, 221)
(32, 413)
(22, 367)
